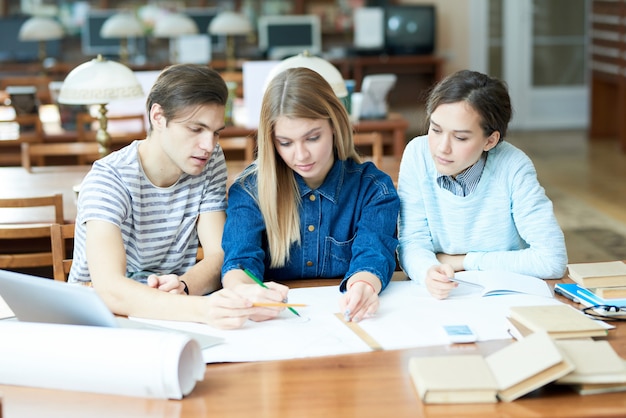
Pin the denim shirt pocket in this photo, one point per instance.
(337, 257)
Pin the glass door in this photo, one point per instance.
(539, 48)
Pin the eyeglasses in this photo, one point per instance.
(611, 312)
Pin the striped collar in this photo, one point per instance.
(466, 181)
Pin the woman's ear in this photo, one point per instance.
(492, 140)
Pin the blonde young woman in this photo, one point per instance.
(308, 207)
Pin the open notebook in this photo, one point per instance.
(37, 299)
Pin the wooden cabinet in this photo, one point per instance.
(608, 71)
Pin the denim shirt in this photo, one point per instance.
(347, 225)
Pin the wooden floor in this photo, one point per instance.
(592, 171)
(587, 182)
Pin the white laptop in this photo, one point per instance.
(37, 299)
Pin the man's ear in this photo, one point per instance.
(157, 117)
(492, 140)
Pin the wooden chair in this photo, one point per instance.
(17, 130)
(375, 141)
(24, 246)
(241, 143)
(62, 244)
(84, 151)
(55, 201)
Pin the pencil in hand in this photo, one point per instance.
(260, 283)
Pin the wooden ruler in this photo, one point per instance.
(354, 326)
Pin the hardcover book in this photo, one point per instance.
(598, 368)
(610, 292)
(600, 274)
(559, 321)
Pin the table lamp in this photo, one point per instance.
(174, 25)
(40, 29)
(230, 24)
(328, 71)
(98, 82)
(122, 25)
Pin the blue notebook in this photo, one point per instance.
(584, 296)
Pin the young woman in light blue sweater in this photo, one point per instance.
(470, 201)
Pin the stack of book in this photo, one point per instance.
(597, 367)
(607, 280)
(554, 345)
(505, 375)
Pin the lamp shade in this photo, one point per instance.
(324, 68)
(230, 23)
(121, 25)
(40, 28)
(173, 25)
(99, 81)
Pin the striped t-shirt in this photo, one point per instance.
(158, 224)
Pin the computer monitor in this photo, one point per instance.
(12, 49)
(282, 36)
(93, 44)
(203, 17)
(410, 29)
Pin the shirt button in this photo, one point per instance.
(311, 228)
(309, 263)
(312, 198)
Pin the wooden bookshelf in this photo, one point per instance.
(608, 71)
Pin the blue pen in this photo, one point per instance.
(260, 283)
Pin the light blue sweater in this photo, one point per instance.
(507, 223)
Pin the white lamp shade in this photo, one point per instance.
(40, 28)
(99, 81)
(230, 23)
(324, 68)
(173, 25)
(121, 25)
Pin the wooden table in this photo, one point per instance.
(375, 384)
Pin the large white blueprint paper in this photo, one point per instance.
(143, 363)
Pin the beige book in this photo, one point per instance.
(610, 292)
(597, 388)
(594, 361)
(599, 274)
(527, 365)
(559, 321)
(517, 330)
(507, 374)
(453, 379)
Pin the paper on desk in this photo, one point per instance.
(5, 311)
(130, 362)
(317, 332)
(408, 317)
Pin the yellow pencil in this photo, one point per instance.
(277, 305)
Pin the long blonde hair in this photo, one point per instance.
(294, 93)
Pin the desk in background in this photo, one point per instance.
(429, 65)
(393, 129)
(17, 182)
(374, 384)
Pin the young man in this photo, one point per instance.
(142, 210)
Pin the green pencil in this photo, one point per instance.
(260, 283)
